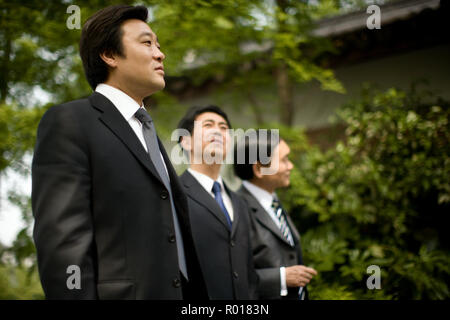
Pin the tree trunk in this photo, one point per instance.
(284, 87)
(255, 108)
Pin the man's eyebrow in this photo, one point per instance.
(146, 33)
(219, 122)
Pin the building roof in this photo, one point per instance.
(390, 12)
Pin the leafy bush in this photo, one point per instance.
(18, 128)
(381, 197)
(18, 273)
(19, 283)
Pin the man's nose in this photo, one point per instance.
(159, 55)
(215, 131)
(290, 165)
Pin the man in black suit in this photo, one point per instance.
(219, 218)
(276, 242)
(111, 219)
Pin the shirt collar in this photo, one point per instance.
(126, 105)
(205, 181)
(264, 198)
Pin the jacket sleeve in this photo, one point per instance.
(269, 282)
(253, 277)
(61, 193)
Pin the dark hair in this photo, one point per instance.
(260, 145)
(187, 122)
(101, 33)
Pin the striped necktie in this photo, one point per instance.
(281, 216)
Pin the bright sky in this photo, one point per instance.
(10, 216)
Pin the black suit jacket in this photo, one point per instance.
(225, 258)
(99, 204)
(270, 249)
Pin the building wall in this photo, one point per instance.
(400, 70)
(315, 107)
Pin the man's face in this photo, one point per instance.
(280, 159)
(210, 137)
(141, 66)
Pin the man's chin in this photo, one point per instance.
(162, 84)
(157, 85)
(286, 183)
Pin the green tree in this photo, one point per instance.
(244, 44)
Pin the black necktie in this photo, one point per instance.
(149, 132)
(216, 189)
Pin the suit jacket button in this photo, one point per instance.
(171, 238)
(164, 195)
(235, 274)
(292, 256)
(232, 243)
(176, 283)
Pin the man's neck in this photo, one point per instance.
(212, 171)
(262, 185)
(127, 91)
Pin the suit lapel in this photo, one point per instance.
(262, 216)
(197, 193)
(293, 229)
(112, 118)
(179, 197)
(177, 190)
(296, 236)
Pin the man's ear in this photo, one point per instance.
(109, 58)
(257, 170)
(186, 143)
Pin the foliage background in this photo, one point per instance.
(380, 196)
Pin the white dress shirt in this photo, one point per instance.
(265, 199)
(207, 183)
(127, 107)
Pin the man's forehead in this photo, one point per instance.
(139, 28)
(283, 148)
(210, 116)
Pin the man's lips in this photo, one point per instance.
(160, 69)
